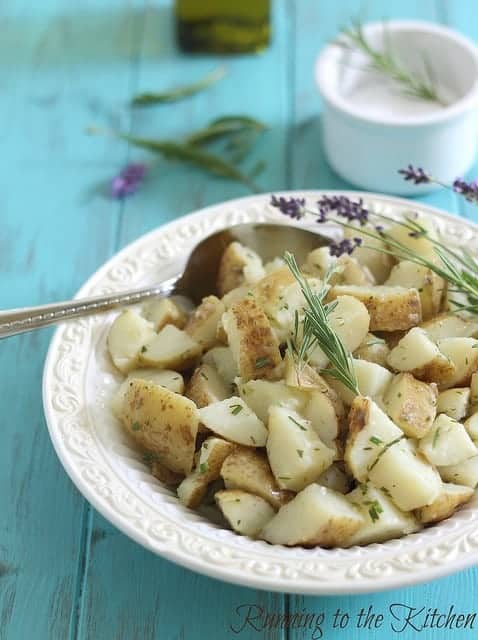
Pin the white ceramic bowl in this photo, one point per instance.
(371, 129)
(79, 381)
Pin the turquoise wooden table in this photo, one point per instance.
(65, 573)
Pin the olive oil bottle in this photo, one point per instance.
(223, 26)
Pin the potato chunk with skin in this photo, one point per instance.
(382, 519)
(411, 482)
(202, 324)
(447, 442)
(221, 359)
(317, 516)
(421, 357)
(464, 355)
(249, 470)
(297, 455)
(171, 348)
(269, 291)
(260, 395)
(238, 265)
(163, 312)
(373, 349)
(246, 513)
(390, 308)
(233, 420)
(372, 380)
(449, 325)
(464, 473)
(253, 344)
(428, 284)
(127, 335)
(172, 380)
(411, 404)
(162, 422)
(445, 504)
(206, 386)
(370, 433)
(454, 402)
(212, 454)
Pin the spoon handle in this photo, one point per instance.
(18, 321)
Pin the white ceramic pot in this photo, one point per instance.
(371, 129)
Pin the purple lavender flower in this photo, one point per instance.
(128, 181)
(343, 207)
(344, 246)
(418, 175)
(467, 189)
(292, 207)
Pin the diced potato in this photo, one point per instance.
(464, 473)
(163, 312)
(246, 513)
(221, 359)
(239, 265)
(454, 402)
(202, 324)
(212, 454)
(471, 426)
(171, 348)
(374, 259)
(335, 478)
(350, 321)
(320, 412)
(411, 404)
(260, 395)
(372, 380)
(447, 442)
(269, 292)
(370, 432)
(253, 344)
(172, 380)
(419, 245)
(206, 386)
(474, 391)
(316, 516)
(127, 335)
(233, 420)
(318, 262)
(165, 475)
(421, 357)
(429, 285)
(350, 271)
(408, 478)
(382, 519)
(445, 504)
(464, 355)
(390, 308)
(449, 325)
(163, 422)
(290, 302)
(296, 453)
(373, 349)
(249, 470)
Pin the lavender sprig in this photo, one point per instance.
(469, 190)
(415, 175)
(128, 180)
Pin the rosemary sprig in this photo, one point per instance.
(385, 62)
(316, 330)
(179, 93)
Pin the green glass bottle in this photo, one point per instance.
(223, 26)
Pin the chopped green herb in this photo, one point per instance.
(375, 510)
(238, 522)
(301, 426)
(300, 453)
(284, 477)
(149, 457)
(262, 362)
(252, 439)
(135, 426)
(237, 500)
(143, 348)
(376, 440)
(435, 437)
(236, 408)
(204, 375)
(386, 491)
(203, 467)
(285, 306)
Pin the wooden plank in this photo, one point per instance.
(56, 229)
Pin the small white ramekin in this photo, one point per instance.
(367, 149)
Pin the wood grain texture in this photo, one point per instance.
(65, 572)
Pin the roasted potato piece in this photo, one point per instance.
(445, 504)
(162, 422)
(421, 357)
(449, 325)
(127, 335)
(239, 265)
(163, 312)
(372, 380)
(172, 380)
(206, 386)
(171, 348)
(249, 470)
(464, 473)
(297, 455)
(316, 516)
(335, 478)
(260, 395)
(202, 324)
(222, 360)
(350, 271)
(454, 402)
(382, 520)
(447, 443)
(378, 263)
(212, 454)
(370, 432)
(246, 513)
(411, 404)
(253, 344)
(269, 292)
(233, 420)
(389, 308)
(411, 482)
(462, 352)
(429, 285)
(373, 349)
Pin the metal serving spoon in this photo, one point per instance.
(197, 280)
